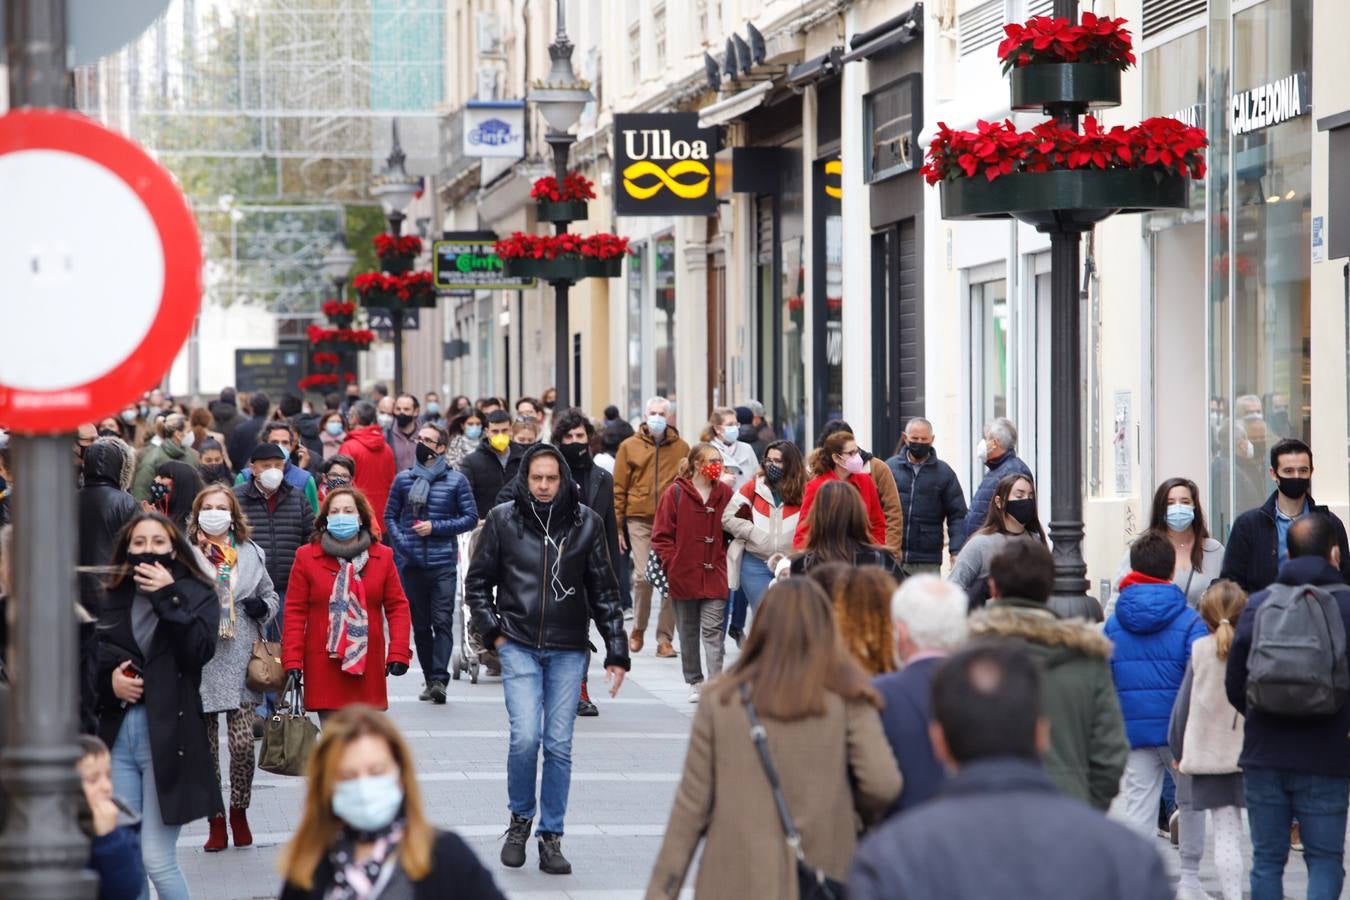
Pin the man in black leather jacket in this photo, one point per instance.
(546, 556)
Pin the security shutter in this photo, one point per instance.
(1160, 15)
(980, 27)
(764, 228)
(1040, 8)
(909, 336)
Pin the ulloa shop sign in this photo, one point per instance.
(663, 165)
(1270, 104)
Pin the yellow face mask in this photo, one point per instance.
(500, 442)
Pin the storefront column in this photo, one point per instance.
(691, 322)
(856, 315)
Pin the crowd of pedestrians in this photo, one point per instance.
(954, 716)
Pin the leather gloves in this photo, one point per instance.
(396, 669)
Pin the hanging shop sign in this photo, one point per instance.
(1270, 104)
(834, 178)
(468, 264)
(494, 128)
(663, 165)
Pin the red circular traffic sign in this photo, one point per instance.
(101, 266)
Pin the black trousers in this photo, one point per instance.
(431, 600)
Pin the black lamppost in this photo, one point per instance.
(337, 265)
(560, 98)
(395, 189)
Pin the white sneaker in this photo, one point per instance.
(693, 693)
(628, 615)
(1191, 890)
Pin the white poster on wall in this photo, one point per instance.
(494, 128)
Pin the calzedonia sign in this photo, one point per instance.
(663, 165)
(1270, 104)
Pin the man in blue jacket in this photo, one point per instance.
(1295, 767)
(1153, 630)
(929, 494)
(1000, 459)
(429, 506)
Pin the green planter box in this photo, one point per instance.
(1080, 86)
(396, 265)
(564, 268)
(1072, 200)
(421, 301)
(562, 211)
(342, 321)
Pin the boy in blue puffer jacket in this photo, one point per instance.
(1153, 630)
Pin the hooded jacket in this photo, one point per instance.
(550, 570)
(1252, 557)
(1153, 630)
(375, 467)
(155, 456)
(1087, 733)
(226, 417)
(643, 469)
(449, 508)
(105, 507)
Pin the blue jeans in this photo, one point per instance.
(134, 781)
(541, 689)
(755, 579)
(431, 601)
(1275, 797)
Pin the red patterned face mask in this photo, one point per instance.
(711, 470)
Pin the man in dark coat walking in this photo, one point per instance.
(280, 517)
(1000, 460)
(430, 505)
(246, 434)
(225, 413)
(493, 463)
(985, 834)
(930, 494)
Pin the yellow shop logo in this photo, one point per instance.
(835, 167)
(664, 163)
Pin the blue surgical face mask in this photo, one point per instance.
(731, 434)
(657, 424)
(370, 803)
(473, 432)
(344, 526)
(433, 408)
(1180, 516)
(333, 428)
(285, 454)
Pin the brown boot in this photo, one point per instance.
(666, 650)
(635, 642)
(217, 840)
(243, 837)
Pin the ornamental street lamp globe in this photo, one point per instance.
(394, 187)
(560, 96)
(338, 261)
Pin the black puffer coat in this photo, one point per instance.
(488, 475)
(529, 573)
(184, 641)
(105, 507)
(929, 497)
(278, 533)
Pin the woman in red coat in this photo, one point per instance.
(687, 537)
(343, 586)
(839, 459)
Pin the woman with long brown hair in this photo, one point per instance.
(818, 710)
(838, 532)
(1178, 516)
(762, 517)
(363, 833)
(1012, 516)
(838, 458)
(862, 607)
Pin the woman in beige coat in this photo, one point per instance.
(837, 771)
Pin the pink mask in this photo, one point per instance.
(854, 464)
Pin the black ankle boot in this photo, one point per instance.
(551, 859)
(517, 833)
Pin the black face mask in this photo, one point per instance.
(108, 432)
(425, 455)
(149, 559)
(773, 472)
(578, 456)
(213, 474)
(159, 491)
(1295, 488)
(404, 419)
(920, 451)
(1024, 511)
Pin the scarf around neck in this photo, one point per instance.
(423, 476)
(348, 622)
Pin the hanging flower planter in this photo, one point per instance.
(340, 313)
(561, 211)
(562, 257)
(397, 254)
(564, 202)
(413, 290)
(1068, 198)
(563, 268)
(1079, 85)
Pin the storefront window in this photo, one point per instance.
(989, 356)
(636, 267)
(792, 297)
(834, 318)
(663, 319)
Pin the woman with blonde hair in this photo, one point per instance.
(219, 533)
(818, 713)
(1205, 737)
(688, 539)
(363, 833)
(862, 607)
(175, 445)
(739, 463)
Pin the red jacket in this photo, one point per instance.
(375, 466)
(687, 536)
(304, 639)
(871, 500)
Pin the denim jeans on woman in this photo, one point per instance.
(541, 688)
(1275, 798)
(755, 580)
(133, 779)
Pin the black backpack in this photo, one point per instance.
(1297, 664)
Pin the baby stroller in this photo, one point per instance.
(469, 655)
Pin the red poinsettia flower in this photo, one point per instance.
(1044, 39)
(387, 245)
(575, 186)
(335, 308)
(1000, 149)
(553, 246)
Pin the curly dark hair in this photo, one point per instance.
(567, 420)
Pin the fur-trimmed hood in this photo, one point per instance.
(1062, 639)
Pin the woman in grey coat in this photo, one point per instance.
(1012, 516)
(220, 534)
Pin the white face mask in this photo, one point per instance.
(189, 438)
(214, 522)
(982, 450)
(270, 479)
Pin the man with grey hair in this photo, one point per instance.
(929, 616)
(998, 452)
(644, 467)
(930, 494)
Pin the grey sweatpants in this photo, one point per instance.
(700, 621)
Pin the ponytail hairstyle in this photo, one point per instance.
(697, 454)
(821, 460)
(1222, 603)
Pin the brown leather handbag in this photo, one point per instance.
(265, 674)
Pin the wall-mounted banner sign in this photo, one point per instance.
(663, 165)
(466, 264)
(1271, 104)
(494, 128)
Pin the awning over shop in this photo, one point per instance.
(735, 106)
(897, 31)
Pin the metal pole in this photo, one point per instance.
(1066, 410)
(396, 228)
(42, 850)
(560, 143)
